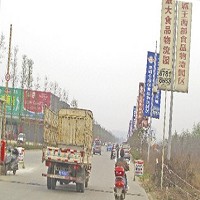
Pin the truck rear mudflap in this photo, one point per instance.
(69, 178)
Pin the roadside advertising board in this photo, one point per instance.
(139, 165)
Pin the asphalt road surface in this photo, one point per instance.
(28, 183)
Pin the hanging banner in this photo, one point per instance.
(151, 109)
(129, 129)
(166, 44)
(133, 118)
(183, 46)
(140, 105)
(156, 95)
(148, 84)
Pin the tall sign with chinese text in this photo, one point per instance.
(151, 100)
(133, 118)
(183, 47)
(157, 94)
(166, 44)
(140, 105)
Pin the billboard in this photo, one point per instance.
(167, 34)
(25, 103)
(14, 101)
(34, 103)
(183, 47)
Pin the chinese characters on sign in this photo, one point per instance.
(183, 46)
(149, 84)
(151, 100)
(166, 44)
(140, 105)
(139, 167)
(134, 117)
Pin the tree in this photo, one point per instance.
(14, 79)
(22, 83)
(74, 103)
(64, 96)
(46, 83)
(2, 47)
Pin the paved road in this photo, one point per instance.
(28, 183)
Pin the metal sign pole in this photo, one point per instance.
(163, 145)
(172, 92)
(6, 89)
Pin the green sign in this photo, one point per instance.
(14, 102)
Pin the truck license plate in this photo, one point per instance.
(63, 173)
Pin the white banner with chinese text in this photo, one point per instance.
(166, 44)
(183, 47)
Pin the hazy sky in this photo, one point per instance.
(96, 50)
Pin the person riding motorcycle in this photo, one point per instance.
(122, 162)
(112, 151)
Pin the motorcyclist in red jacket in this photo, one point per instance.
(122, 162)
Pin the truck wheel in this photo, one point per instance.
(53, 183)
(48, 183)
(77, 187)
(82, 187)
(86, 183)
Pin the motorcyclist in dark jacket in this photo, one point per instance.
(122, 162)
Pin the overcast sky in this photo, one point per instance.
(97, 50)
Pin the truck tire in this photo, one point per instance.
(86, 183)
(49, 180)
(77, 187)
(82, 187)
(48, 183)
(53, 183)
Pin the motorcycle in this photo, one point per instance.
(120, 189)
(113, 154)
(11, 160)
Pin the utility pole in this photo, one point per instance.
(6, 89)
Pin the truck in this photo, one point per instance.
(67, 147)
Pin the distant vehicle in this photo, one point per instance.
(21, 139)
(96, 149)
(125, 145)
(127, 154)
(109, 147)
(97, 141)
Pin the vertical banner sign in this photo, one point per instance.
(151, 109)
(133, 118)
(166, 44)
(129, 129)
(157, 95)
(148, 84)
(140, 105)
(183, 46)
